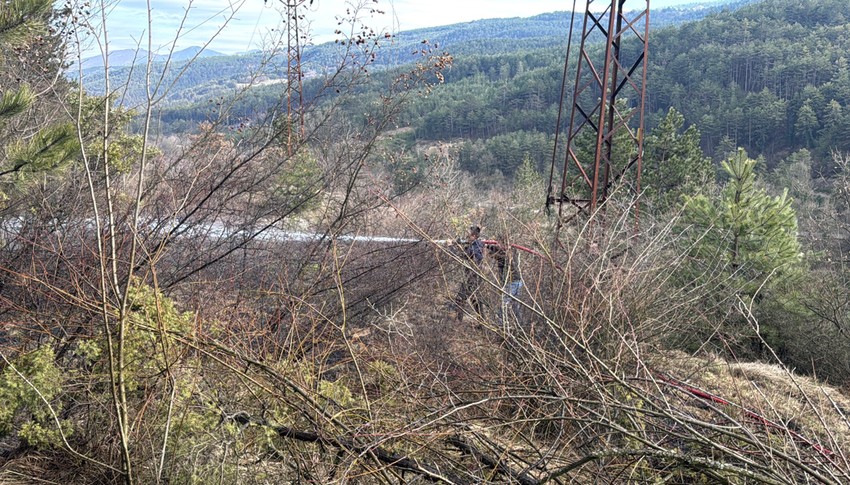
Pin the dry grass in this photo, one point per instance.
(817, 412)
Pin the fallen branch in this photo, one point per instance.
(404, 463)
(494, 463)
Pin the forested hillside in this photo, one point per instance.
(771, 77)
(131, 57)
(369, 289)
(220, 76)
(187, 81)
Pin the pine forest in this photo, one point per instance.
(355, 261)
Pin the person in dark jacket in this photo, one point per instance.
(474, 252)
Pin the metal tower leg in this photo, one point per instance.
(604, 142)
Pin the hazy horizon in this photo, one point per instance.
(253, 23)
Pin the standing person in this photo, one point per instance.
(474, 252)
(507, 262)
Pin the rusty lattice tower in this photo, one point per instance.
(294, 92)
(604, 138)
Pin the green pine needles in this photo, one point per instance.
(754, 234)
(28, 151)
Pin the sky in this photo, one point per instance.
(246, 24)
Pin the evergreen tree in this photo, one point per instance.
(19, 20)
(752, 233)
(26, 150)
(674, 164)
(529, 190)
(806, 125)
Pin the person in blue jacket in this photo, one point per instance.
(507, 263)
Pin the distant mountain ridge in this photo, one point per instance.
(214, 74)
(130, 57)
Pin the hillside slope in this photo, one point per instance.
(214, 75)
